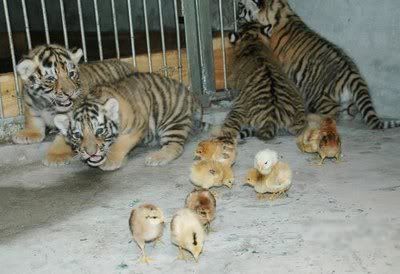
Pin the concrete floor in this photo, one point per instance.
(339, 218)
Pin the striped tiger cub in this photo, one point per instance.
(112, 119)
(52, 81)
(267, 101)
(328, 79)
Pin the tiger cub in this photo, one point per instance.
(268, 101)
(326, 76)
(53, 81)
(112, 119)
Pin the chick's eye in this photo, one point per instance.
(266, 163)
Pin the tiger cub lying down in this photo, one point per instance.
(113, 119)
(52, 81)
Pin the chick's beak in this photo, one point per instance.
(196, 254)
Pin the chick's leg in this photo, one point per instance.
(182, 254)
(143, 258)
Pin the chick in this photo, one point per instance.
(330, 144)
(146, 224)
(215, 150)
(308, 140)
(207, 174)
(269, 175)
(187, 233)
(204, 204)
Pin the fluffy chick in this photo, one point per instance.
(308, 140)
(204, 204)
(215, 150)
(330, 144)
(269, 175)
(187, 233)
(146, 224)
(207, 174)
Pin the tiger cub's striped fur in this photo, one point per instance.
(113, 119)
(267, 101)
(328, 79)
(53, 81)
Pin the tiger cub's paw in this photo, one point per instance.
(158, 158)
(110, 165)
(27, 136)
(57, 159)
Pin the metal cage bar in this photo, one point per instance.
(114, 17)
(164, 55)
(235, 25)
(82, 30)
(178, 41)
(64, 24)
(98, 31)
(14, 64)
(26, 22)
(146, 24)
(221, 20)
(46, 26)
(199, 47)
(131, 34)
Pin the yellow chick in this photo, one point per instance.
(204, 204)
(187, 233)
(269, 175)
(146, 224)
(207, 174)
(215, 150)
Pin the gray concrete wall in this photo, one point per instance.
(369, 31)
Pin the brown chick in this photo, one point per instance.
(204, 204)
(187, 233)
(308, 140)
(330, 144)
(216, 150)
(208, 174)
(146, 224)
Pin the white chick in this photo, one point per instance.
(204, 204)
(275, 177)
(187, 233)
(146, 224)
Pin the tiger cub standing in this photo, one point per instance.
(53, 81)
(327, 78)
(113, 119)
(267, 101)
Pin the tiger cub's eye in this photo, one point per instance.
(99, 131)
(76, 135)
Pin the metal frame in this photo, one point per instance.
(198, 35)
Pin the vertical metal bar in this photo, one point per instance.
(199, 46)
(164, 55)
(178, 41)
(1, 107)
(46, 26)
(131, 34)
(114, 16)
(146, 24)
(26, 20)
(64, 24)
(234, 16)
(96, 15)
(10, 40)
(82, 30)
(221, 19)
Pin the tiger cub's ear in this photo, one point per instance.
(76, 55)
(233, 37)
(25, 68)
(112, 109)
(61, 121)
(267, 30)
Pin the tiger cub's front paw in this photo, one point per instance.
(110, 165)
(27, 136)
(57, 159)
(158, 158)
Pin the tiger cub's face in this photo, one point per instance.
(251, 33)
(91, 130)
(263, 11)
(52, 74)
